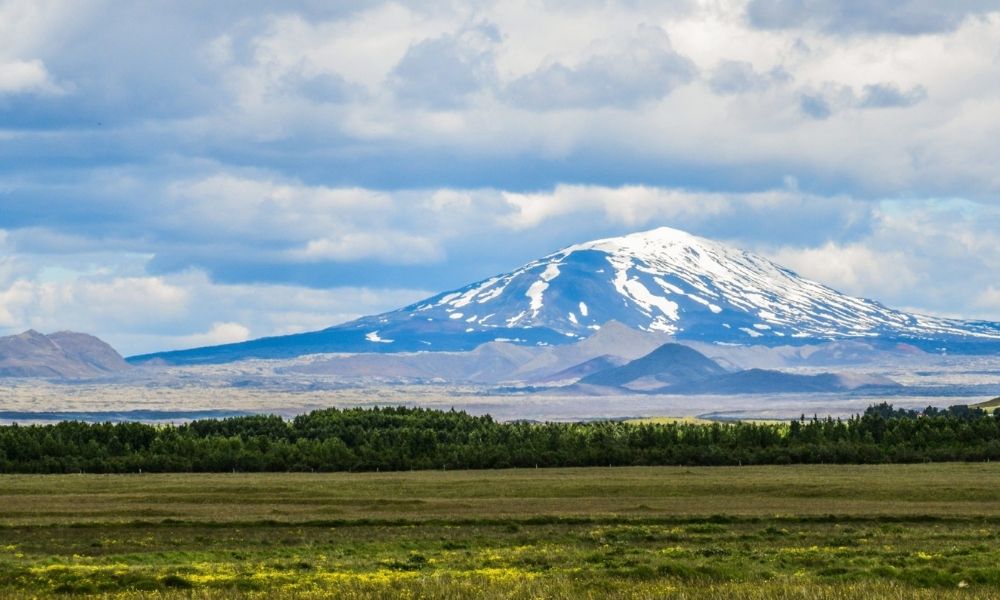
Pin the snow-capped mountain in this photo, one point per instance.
(671, 281)
(662, 280)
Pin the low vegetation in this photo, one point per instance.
(805, 531)
(384, 439)
(989, 404)
(816, 532)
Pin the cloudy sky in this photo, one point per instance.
(183, 173)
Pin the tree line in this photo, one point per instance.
(415, 438)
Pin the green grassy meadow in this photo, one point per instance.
(886, 531)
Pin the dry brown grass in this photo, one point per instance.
(932, 489)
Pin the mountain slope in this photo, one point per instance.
(490, 363)
(62, 354)
(662, 280)
(493, 362)
(589, 367)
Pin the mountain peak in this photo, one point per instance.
(662, 236)
(662, 242)
(29, 334)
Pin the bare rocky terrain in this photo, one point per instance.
(296, 386)
(65, 354)
(74, 376)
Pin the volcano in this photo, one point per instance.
(663, 280)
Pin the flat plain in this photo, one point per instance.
(888, 531)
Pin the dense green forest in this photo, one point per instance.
(409, 438)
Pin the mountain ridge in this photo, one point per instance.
(663, 280)
(678, 369)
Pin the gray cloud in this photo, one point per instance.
(815, 106)
(733, 77)
(831, 98)
(303, 93)
(323, 88)
(904, 17)
(888, 95)
(442, 72)
(643, 69)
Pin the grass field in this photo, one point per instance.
(906, 531)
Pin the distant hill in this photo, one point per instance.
(764, 381)
(670, 363)
(677, 369)
(63, 355)
(989, 404)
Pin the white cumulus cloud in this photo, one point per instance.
(387, 246)
(23, 76)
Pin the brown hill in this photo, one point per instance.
(64, 355)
